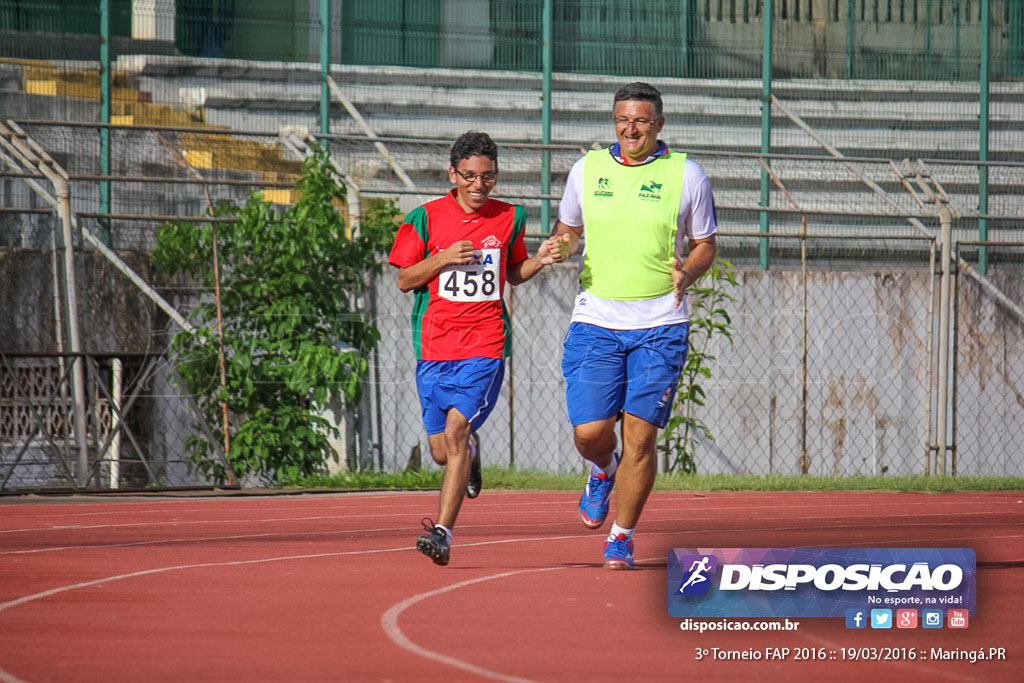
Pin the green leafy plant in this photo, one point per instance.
(293, 335)
(709, 318)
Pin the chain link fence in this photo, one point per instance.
(832, 370)
(988, 364)
(827, 372)
(127, 427)
(134, 418)
(827, 375)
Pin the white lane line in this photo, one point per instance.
(389, 622)
(967, 539)
(390, 499)
(10, 678)
(363, 515)
(6, 677)
(112, 503)
(533, 525)
(387, 500)
(235, 563)
(188, 522)
(194, 539)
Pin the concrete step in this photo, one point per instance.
(432, 101)
(514, 96)
(884, 119)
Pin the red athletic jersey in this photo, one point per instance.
(460, 313)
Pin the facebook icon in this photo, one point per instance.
(856, 618)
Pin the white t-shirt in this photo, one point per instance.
(696, 220)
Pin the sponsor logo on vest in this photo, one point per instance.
(491, 242)
(651, 191)
(604, 188)
(481, 259)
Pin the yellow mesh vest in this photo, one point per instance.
(629, 215)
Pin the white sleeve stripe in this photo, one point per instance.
(570, 210)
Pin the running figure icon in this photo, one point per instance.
(697, 575)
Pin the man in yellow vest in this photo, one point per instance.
(640, 205)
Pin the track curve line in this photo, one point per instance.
(389, 622)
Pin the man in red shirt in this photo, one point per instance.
(456, 252)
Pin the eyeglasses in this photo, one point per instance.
(641, 124)
(470, 178)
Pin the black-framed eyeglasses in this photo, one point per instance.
(641, 124)
(470, 178)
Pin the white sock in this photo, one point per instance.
(616, 530)
(610, 469)
(446, 530)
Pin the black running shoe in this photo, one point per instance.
(434, 543)
(476, 479)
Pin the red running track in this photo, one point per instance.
(328, 587)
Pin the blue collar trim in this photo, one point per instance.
(661, 151)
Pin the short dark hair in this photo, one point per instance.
(473, 143)
(643, 92)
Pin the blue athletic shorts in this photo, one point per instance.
(637, 371)
(470, 386)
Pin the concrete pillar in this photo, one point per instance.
(466, 33)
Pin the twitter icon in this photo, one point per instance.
(881, 618)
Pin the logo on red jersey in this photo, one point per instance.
(491, 242)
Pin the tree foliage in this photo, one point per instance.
(292, 333)
(709, 318)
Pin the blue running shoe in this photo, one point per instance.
(618, 553)
(594, 501)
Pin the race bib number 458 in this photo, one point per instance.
(473, 281)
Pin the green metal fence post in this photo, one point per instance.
(851, 35)
(325, 67)
(983, 115)
(545, 163)
(105, 235)
(766, 121)
(928, 40)
(957, 12)
(685, 37)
